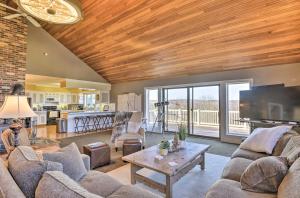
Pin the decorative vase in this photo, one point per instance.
(163, 152)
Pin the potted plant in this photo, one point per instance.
(164, 147)
(182, 134)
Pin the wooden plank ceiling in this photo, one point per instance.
(127, 40)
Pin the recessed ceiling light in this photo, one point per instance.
(45, 53)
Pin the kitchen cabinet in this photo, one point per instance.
(69, 98)
(62, 99)
(41, 98)
(74, 99)
(129, 102)
(41, 118)
(34, 98)
(104, 97)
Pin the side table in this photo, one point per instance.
(99, 153)
(131, 146)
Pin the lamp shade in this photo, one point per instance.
(16, 107)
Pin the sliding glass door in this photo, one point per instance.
(197, 107)
(234, 126)
(210, 109)
(177, 110)
(205, 104)
(152, 97)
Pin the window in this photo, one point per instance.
(89, 100)
(233, 114)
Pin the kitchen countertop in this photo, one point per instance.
(90, 112)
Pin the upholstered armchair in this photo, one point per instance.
(130, 130)
(7, 139)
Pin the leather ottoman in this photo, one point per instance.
(131, 146)
(99, 153)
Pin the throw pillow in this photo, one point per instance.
(27, 169)
(264, 139)
(57, 184)
(292, 150)
(71, 160)
(282, 142)
(264, 175)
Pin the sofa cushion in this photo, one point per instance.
(71, 160)
(225, 188)
(292, 150)
(133, 192)
(27, 169)
(295, 166)
(86, 161)
(99, 183)
(282, 142)
(264, 175)
(290, 186)
(264, 139)
(2, 195)
(242, 153)
(55, 184)
(235, 168)
(7, 183)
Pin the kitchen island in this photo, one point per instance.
(75, 120)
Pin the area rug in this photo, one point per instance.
(217, 147)
(193, 185)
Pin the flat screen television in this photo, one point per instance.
(271, 103)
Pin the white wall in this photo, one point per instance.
(60, 61)
(287, 74)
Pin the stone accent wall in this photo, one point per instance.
(13, 44)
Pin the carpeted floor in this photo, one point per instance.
(217, 147)
(194, 184)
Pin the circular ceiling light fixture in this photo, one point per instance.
(53, 11)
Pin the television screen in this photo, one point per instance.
(275, 103)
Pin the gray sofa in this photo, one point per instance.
(229, 185)
(26, 175)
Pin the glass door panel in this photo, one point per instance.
(205, 103)
(151, 110)
(177, 110)
(233, 114)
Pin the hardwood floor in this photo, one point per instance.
(49, 131)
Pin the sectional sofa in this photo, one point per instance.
(229, 185)
(26, 175)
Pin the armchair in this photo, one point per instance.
(133, 130)
(7, 137)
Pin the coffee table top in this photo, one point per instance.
(146, 158)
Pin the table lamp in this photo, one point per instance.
(16, 107)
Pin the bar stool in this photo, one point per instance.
(105, 120)
(97, 122)
(101, 122)
(110, 120)
(76, 120)
(85, 122)
(93, 126)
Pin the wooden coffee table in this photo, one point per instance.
(186, 159)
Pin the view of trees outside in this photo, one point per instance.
(205, 104)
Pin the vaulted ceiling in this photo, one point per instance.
(127, 40)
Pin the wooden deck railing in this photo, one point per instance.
(200, 117)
